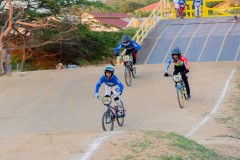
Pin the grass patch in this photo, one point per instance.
(233, 119)
(194, 149)
(158, 145)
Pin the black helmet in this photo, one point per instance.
(126, 39)
(176, 51)
(109, 68)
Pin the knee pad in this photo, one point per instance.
(116, 98)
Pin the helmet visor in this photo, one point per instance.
(175, 54)
(107, 71)
(126, 43)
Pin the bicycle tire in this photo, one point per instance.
(128, 76)
(107, 118)
(134, 73)
(120, 117)
(180, 97)
(185, 93)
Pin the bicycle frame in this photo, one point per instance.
(113, 111)
(179, 85)
(111, 114)
(128, 61)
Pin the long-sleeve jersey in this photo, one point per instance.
(132, 45)
(110, 82)
(181, 61)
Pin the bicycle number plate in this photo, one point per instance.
(126, 58)
(177, 78)
(106, 100)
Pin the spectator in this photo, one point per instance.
(182, 4)
(176, 6)
(59, 66)
(197, 5)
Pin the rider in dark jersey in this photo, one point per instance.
(181, 65)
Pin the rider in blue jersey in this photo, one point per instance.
(112, 85)
(131, 47)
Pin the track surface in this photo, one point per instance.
(200, 40)
(53, 113)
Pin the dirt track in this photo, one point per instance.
(52, 114)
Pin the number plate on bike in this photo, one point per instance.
(177, 78)
(126, 58)
(106, 100)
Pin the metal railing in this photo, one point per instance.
(161, 11)
(207, 11)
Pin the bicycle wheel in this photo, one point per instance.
(185, 93)
(134, 72)
(128, 77)
(107, 121)
(120, 116)
(180, 97)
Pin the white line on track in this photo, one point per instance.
(206, 42)
(215, 107)
(237, 53)
(156, 43)
(173, 42)
(96, 143)
(199, 26)
(224, 41)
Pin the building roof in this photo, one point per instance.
(119, 20)
(150, 7)
(110, 15)
(114, 21)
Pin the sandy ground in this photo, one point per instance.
(52, 114)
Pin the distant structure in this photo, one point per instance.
(98, 21)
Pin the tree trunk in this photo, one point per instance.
(2, 52)
(23, 60)
(4, 32)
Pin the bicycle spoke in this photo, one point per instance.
(128, 77)
(107, 121)
(134, 73)
(180, 97)
(120, 116)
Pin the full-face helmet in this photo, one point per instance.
(176, 51)
(109, 68)
(126, 39)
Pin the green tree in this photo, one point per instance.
(29, 20)
(130, 6)
(148, 2)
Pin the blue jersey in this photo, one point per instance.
(110, 82)
(132, 45)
